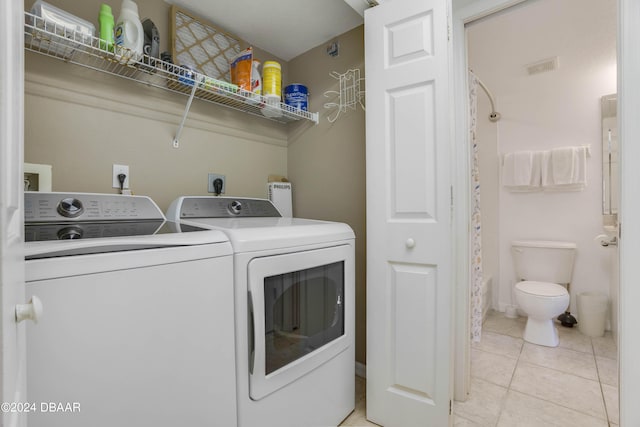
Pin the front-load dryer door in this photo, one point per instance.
(299, 315)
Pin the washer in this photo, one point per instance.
(294, 306)
(137, 326)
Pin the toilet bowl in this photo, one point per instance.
(542, 302)
(543, 272)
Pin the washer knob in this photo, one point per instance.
(235, 207)
(70, 233)
(70, 207)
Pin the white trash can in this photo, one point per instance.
(592, 313)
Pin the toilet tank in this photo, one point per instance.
(543, 261)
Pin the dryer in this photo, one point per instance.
(294, 306)
(138, 324)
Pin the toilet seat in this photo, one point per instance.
(541, 289)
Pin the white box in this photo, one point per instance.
(280, 196)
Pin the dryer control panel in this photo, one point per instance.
(224, 207)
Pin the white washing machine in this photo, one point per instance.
(294, 294)
(138, 326)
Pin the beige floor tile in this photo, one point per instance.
(499, 344)
(522, 410)
(463, 422)
(357, 420)
(605, 346)
(607, 370)
(484, 403)
(496, 322)
(495, 368)
(611, 400)
(564, 389)
(561, 359)
(573, 339)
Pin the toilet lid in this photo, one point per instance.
(544, 289)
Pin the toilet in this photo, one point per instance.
(543, 272)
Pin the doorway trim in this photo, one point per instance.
(629, 246)
(462, 15)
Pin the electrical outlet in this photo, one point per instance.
(117, 170)
(213, 177)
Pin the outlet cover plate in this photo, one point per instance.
(212, 177)
(118, 169)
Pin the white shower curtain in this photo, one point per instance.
(476, 238)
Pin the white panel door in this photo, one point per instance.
(12, 336)
(409, 251)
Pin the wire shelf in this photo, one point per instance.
(56, 41)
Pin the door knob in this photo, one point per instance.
(410, 243)
(32, 310)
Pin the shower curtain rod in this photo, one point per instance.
(494, 116)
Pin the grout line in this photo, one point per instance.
(485, 350)
(560, 405)
(604, 402)
(513, 374)
(545, 399)
(565, 372)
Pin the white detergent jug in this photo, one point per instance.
(129, 35)
(256, 83)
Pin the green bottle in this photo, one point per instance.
(106, 22)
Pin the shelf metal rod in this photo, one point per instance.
(176, 140)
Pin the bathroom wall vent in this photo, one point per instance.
(542, 66)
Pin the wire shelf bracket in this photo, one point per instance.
(176, 139)
(349, 95)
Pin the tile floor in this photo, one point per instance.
(515, 383)
(518, 384)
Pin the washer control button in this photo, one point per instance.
(70, 207)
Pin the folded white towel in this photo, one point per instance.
(580, 167)
(536, 170)
(521, 171)
(564, 169)
(563, 165)
(517, 169)
(545, 169)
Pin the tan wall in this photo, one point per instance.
(326, 162)
(82, 122)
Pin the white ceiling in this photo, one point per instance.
(285, 28)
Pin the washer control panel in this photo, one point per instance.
(226, 207)
(80, 207)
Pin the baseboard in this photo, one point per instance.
(361, 370)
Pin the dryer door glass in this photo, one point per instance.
(304, 310)
(300, 314)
